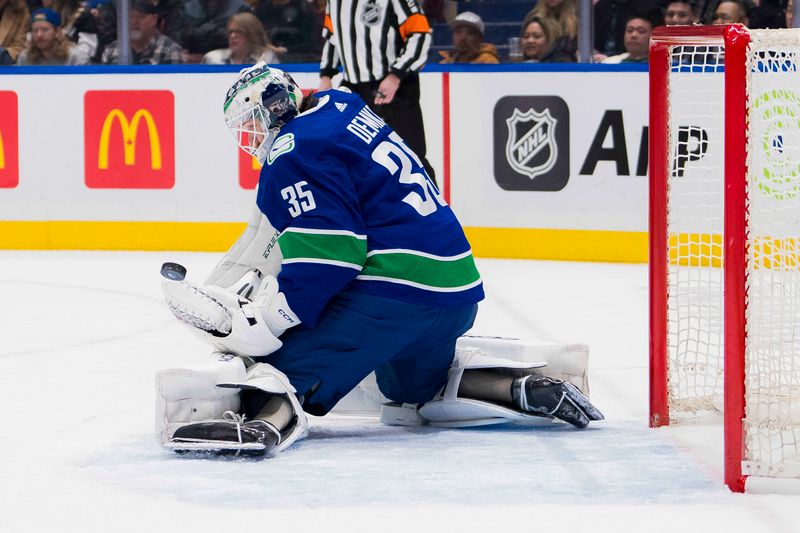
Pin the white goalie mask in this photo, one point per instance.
(258, 104)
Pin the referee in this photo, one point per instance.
(381, 46)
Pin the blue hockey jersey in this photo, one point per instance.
(355, 209)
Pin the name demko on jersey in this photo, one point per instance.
(354, 208)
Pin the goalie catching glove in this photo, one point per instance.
(245, 319)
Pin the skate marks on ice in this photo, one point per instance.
(356, 464)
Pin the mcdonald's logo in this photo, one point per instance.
(129, 139)
(9, 140)
(249, 167)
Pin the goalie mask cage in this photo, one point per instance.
(725, 242)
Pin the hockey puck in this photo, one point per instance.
(173, 271)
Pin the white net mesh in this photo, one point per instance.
(694, 225)
(772, 356)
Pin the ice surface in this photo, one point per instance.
(83, 333)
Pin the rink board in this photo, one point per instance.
(139, 159)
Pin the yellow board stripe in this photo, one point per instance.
(559, 244)
(508, 243)
(145, 236)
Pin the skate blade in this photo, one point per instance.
(196, 308)
(211, 446)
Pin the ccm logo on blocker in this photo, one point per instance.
(129, 139)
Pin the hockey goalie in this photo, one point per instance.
(352, 266)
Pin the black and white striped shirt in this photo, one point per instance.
(372, 38)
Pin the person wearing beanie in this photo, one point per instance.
(49, 45)
(468, 42)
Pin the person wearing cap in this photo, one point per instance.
(77, 24)
(49, 45)
(468, 42)
(14, 24)
(149, 46)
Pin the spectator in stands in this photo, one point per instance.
(565, 14)
(680, 13)
(731, 12)
(768, 14)
(149, 46)
(105, 19)
(14, 23)
(176, 17)
(790, 13)
(468, 42)
(542, 41)
(290, 25)
(78, 24)
(610, 17)
(247, 43)
(49, 45)
(197, 42)
(706, 10)
(637, 41)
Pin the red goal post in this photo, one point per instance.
(725, 243)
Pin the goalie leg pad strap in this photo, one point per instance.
(268, 379)
(447, 409)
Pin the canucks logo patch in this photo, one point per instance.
(282, 145)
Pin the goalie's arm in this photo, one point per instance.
(257, 248)
(322, 238)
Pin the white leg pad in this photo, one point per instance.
(567, 362)
(447, 409)
(269, 379)
(190, 394)
(518, 358)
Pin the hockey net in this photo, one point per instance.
(725, 240)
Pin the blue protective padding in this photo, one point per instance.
(409, 346)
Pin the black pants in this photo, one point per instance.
(404, 114)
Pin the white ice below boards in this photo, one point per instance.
(84, 332)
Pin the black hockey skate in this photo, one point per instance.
(554, 398)
(232, 435)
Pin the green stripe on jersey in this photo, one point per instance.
(423, 271)
(308, 246)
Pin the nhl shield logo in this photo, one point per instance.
(531, 149)
(531, 143)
